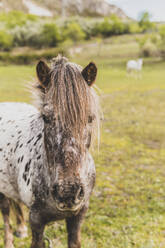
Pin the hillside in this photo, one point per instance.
(66, 7)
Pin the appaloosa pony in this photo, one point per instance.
(44, 152)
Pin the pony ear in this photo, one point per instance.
(43, 73)
(89, 73)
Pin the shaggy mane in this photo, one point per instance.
(72, 100)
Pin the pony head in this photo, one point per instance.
(68, 105)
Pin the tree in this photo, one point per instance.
(145, 23)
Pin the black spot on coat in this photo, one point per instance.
(38, 138)
(17, 144)
(38, 157)
(22, 158)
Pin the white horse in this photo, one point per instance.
(135, 66)
(44, 153)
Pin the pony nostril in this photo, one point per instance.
(80, 193)
(67, 195)
(61, 205)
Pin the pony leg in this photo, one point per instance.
(73, 228)
(37, 228)
(21, 231)
(5, 209)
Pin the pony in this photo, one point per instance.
(134, 66)
(44, 152)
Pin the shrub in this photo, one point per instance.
(162, 49)
(162, 32)
(142, 40)
(27, 35)
(73, 31)
(50, 35)
(16, 18)
(149, 45)
(145, 23)
(161, 43)
(149, 49)
(111, 26)
(104, 28)
(6, 41)
(36, 35)
(155, 38)
(118, 26)
(87, 25)
(134, 28)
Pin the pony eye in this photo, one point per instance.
(91, 118)
(45, 118)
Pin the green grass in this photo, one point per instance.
(128, 203)
(14, 81)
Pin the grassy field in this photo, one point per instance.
(128, 204)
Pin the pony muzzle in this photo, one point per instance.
(68, 198)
